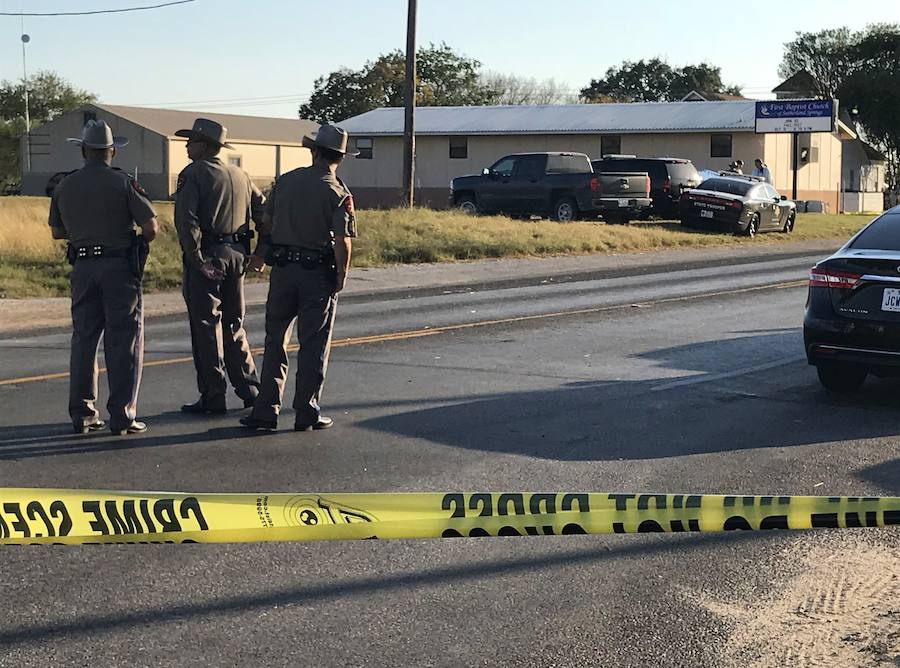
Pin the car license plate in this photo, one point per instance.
(706, 213)
(890, 301)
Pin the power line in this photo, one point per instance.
(99, 11)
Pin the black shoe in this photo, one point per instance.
(322, 423)
(201, 407)
(256, 424)
(96, 425)
(134, 428)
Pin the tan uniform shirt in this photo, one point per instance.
(308, 207)
(99, 205)
(213, 198)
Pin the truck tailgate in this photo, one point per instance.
(624, 184)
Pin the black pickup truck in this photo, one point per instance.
(561, 185)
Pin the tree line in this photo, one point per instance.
(860, 68)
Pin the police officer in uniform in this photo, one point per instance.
(214, 205)
(306, 237)
(96, 208)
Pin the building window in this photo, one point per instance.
(235, 160)
(364, 145)
(720, 146)
(459, 147)
(610, 145)
(89, 116)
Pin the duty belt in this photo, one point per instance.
(94, 251)
(308, 258)
(238, 237)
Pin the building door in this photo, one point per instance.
(495, 195)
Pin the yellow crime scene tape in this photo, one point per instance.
(73, 517)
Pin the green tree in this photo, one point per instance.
(655, 80)
(640, 81)
(49, 95)
(827, 55)
(872, 90)
(703, 78)
(443, 78)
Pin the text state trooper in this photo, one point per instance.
(214, 205)
(305, 236)
(95, 208)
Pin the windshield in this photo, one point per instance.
(883, 234)
(683, 170)
(726, 186)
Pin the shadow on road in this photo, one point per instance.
(710, 405)
(23, 442)
(431, 578)
(776, 402)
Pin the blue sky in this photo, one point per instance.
(260, 57)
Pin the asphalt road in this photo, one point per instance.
(687, 379)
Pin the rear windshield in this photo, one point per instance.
(568, 164)
(683, 170)
(726, 186)
(883, 234)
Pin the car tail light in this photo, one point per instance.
(648, 183)
(595, 184)
(736, 204)
(829, 278)
(666, 184)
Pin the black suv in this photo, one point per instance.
(669, 177)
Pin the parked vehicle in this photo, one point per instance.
(561, 185)
(742, 203)
(852, 322)
(669, 178)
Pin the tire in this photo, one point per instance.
(789, 223)
(468, 205)
(564, 210)
(753, 226)
(841, 378)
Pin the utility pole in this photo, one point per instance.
(409, 121)
(25, 40)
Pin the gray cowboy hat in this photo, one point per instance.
(207, 130)
(330, 137)
(97, 134)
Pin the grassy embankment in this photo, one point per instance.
(31, 263)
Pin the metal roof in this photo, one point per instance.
(240, 128)
(644, 117)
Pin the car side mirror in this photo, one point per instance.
(486, 171)
(783, 198)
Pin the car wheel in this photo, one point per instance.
(789, 223)
(564, 210)
(753, 226)
(842, 378)
(468, 205)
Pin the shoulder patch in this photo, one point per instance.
(181, 179)
(138, 188)
(347, 203)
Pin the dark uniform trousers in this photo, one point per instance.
(216, 315)
(308, 296)
(106, 300)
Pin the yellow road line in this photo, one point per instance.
(431, 331)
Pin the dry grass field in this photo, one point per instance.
(32, 265)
